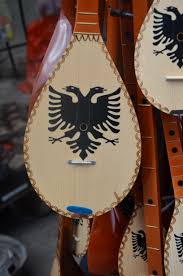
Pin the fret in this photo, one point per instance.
(152, 226)
(87, 13)
(153, 248)
(152, 205)
(87, 17)
(86, 23)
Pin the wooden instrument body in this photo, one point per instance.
(132, 258)
(173, 243)
(133, 245)
(149, 178)
(103, 256)
(106, 234)
(64, 261)
(81, 236)
(86, 64)
(158, 56)
(150, 164)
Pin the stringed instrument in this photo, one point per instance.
(142, 242)
(103, 256)
(82, 143)
(159, 56)
(133, 245)
(173, 256)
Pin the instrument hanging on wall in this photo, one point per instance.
(82, 143)
(173, 256)
(159, 56)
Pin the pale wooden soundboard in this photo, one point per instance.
(85, 64)
(160, 79)
(127, 263)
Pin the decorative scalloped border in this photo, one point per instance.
(98, 38)
(59, 240)
(125, 239)
(137, 61)
(87, 241)
(168, 237)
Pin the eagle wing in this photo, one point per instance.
(164, 28)
(139, 244)
(62, 110)
(105, 113)
(179, 245)
(136, 243)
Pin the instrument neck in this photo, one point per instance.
(87, 17)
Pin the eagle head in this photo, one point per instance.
(97, 89)
(72, 89)
(171, 9)
(141, 233)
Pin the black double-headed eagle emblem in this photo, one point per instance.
(168, 32)
(179, 246)
(139, 245)
(84, 122)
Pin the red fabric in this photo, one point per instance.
(39, 34)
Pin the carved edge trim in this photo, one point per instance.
(98, 39)
(137, 61)
(87, 241)
(168, 237)
(125, 239)
(28, 128)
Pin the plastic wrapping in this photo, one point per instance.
(39, 34)
(57, 46)
(58, 43)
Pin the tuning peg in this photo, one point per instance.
(120, 13)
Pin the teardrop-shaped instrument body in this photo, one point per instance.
(159, 55)
(82, 142)
(133, 247)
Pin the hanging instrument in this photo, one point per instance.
(82, 143)
(159, 56)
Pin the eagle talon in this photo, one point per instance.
(54, 140)
(114, 141)
(158, 52)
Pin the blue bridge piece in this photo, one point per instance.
(80, 210)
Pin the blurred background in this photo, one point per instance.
(28, 228)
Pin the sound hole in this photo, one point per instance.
(180, 37)
(144, 101)
(174, 150)
(180, 183)
(154, 272)
(150, 201)
(171, 132)
(83, 127)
